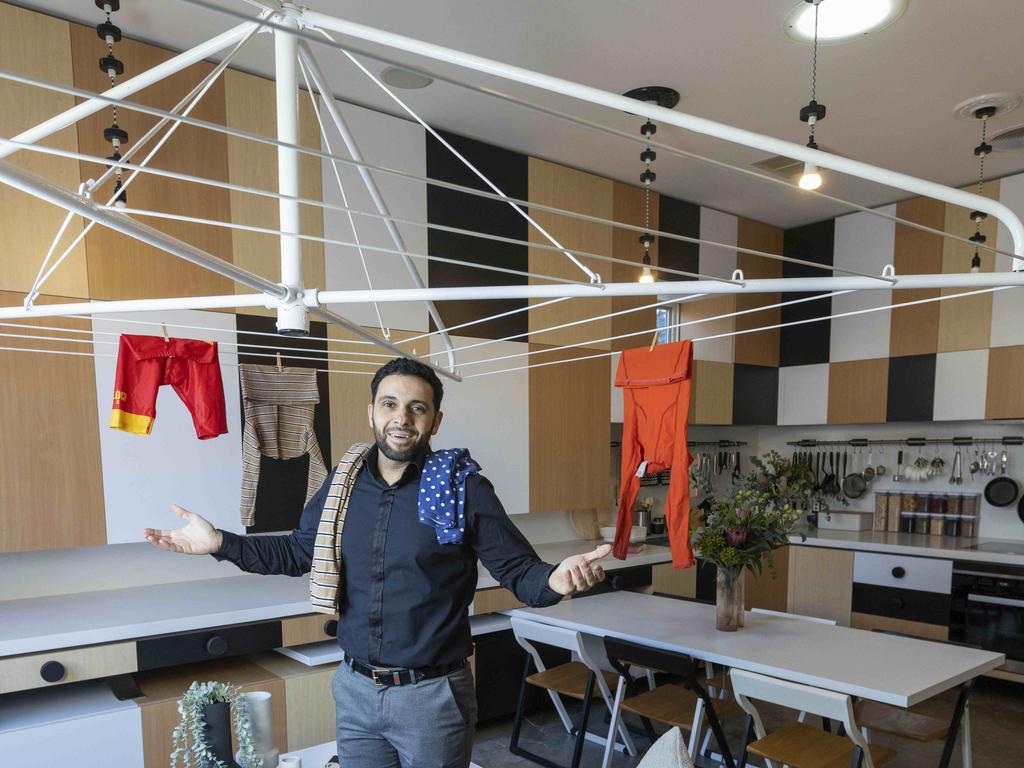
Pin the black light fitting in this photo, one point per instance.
(661, 95)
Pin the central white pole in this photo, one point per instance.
(291, 319)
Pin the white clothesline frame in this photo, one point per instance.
(295, 303)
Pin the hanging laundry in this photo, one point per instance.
(656, 390)
(442, 501)
(191, 367)
(279, 425)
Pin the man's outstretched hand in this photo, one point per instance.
(578, 573)
(198, 537)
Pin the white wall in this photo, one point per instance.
(388, 142)
(144, 475)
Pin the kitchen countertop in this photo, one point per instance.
(917, 544)
(64, 621)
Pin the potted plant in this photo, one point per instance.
(742, 531)
(202, 738)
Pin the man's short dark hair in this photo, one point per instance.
(403, 366)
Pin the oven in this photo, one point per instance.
(987, 609)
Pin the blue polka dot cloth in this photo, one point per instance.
(442, 501)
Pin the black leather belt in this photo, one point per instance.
(389, 676)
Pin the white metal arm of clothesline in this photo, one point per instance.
(681, 120)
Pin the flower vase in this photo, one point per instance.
(261, 721)
(728, 601)
(217, 727)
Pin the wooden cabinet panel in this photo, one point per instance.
(966, 323)
(769, 590)
(308, 698)
(300, 630)
(51, 486)
(886, 624)
(162, 689)
(19, 673)
(821, 583)
(250, 106)
(628, 207)
(496, 599)
(711, 393)
(552, 184)
(761, 348)
(858, 391)
(1005, 397)
(570, 433)
(121, 267)
(37, 45)
(666, 580)
(915, 330)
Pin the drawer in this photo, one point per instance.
(904, 604)
(19, 673)
(206, 644)
(903, 572)
(300, 630)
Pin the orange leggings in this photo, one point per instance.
(656, 387)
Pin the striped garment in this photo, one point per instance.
(325, 581)
(278, 424)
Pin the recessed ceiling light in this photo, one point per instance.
(840, 20)
(403, 78)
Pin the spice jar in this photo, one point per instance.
(936, 514)
(952, 525)
(880, 522)
(921, 522)
(893, 511)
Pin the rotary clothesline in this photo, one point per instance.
(326, 40)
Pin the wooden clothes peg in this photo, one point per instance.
(164, 327)
(279, 368)
(654, 342)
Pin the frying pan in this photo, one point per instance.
(1020, 509)
(1002, 491)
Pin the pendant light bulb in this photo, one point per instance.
(646, 276)
(810, 179)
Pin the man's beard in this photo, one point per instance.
(409, 454)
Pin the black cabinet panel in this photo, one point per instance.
(510, 172)
(755, 394)
(206, 644)
(912, 388)
(619, 579)
(808, 343)
(907, 604)
(679, 218)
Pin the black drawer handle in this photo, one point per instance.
(898, 603)
(52, 671)
(618, 582)
(899, 572)
(216, 646)
(331, 627)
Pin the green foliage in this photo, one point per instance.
(742, 531)
(190, 745)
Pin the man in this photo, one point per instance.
(404, 693)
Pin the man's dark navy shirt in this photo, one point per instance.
(406, 596)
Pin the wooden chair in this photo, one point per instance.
(583, 680)
(683, 705)
(797, 744)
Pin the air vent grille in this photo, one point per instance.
(1009, 140)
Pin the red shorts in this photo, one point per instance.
(188, 365)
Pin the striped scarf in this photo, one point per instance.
(326, 582)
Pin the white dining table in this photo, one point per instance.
(896, 670)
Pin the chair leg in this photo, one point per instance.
(858, 757)
(955, 723)
(723, 744)
(581, 734)
(609, 744)
(965, 737)
(517, 723)
(696, 727)
(826, 725)
(748, 731)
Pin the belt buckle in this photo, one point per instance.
(374, 672)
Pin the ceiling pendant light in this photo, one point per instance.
(981, 151)
(813, 112)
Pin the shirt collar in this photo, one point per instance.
(411, 472)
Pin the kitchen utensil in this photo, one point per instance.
(1020, 509)
(1002, 463)
(854, 486)
(898, 477)
(736, 472)
(1001, 491)
(869, 470)
(957, 477)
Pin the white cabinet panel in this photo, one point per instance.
(920, 573)
(79, 724)
(803, 394)
(386, 141)
(863, 242)
(490, 416)
(960, 385)
(144, 475)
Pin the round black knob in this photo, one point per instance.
(618, 582)
(331, 627)
(898, 572)
(898, 604)
(216, 646)
(52, 671)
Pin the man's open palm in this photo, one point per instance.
(579, 573)
(198, 537)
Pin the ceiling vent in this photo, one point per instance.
(1009, 139)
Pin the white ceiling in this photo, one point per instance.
(890, 95)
